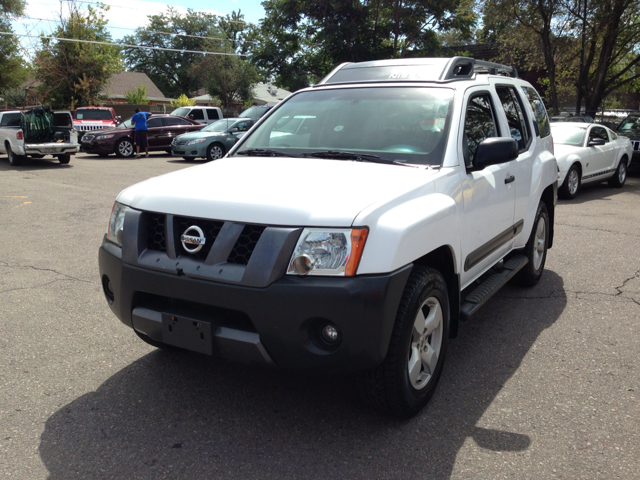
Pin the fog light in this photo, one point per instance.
(108, 289)
(330, 334)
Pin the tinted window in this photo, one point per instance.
(154, 122)
(478, 125)
(196, 114)
(539, 112)
(515, 117)
(93, 114)
(11, 120)
(598, 132)
(175, 121)
(243, 126)
(212, 113)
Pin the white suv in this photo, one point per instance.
(351, 229)
(204, 115)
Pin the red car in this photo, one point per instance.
(121, 139)
(86, 119)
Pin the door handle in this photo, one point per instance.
(509, 179)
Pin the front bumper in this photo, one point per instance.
(277, 325)
(193, 151)
(97, 147)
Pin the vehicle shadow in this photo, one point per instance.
(34, 164)
(180, 415)
(602, 191)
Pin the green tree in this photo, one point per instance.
(170, 70)
(137, 96)
(13, 71)
(73, 73)
(228, 77)
(182, 101)
(306, 38)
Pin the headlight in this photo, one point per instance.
(116, 223)
(102, 137)
(334, 251)
(197, 140)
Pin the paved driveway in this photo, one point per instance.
(542, 383)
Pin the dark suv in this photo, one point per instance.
(121, 139)
(630, 127)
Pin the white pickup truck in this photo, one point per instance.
(350, 229)
(37, 133)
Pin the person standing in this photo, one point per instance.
(141, 131)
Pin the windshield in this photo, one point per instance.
(93, 114)
(630, 123)
(220, 125)
(126, 124)
(183, 112)
(568, 135)
(403, 124)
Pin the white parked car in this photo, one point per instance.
(589, 153)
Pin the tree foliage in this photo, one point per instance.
(302, 40)
(137, 96)
(182, 101)
(74, 73)
(13, 71)
(170, 70)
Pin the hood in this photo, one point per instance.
(200, 134)
(562, 151)
(93, 122)
(276, 191)
(633, 134)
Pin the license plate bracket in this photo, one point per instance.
(187, 333)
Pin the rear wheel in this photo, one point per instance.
(14, 160)
(535, 250)
(571, 185)
(618, 179)
(64, 159)
(407, 379)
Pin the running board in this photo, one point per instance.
(490, 286)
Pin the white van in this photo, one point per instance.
(205, 115)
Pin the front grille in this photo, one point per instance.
(210, 228)
(89, 127)
(179, 142)
(156, 232)
(636, 145)
(245, 244)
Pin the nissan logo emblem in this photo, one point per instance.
(192, 239)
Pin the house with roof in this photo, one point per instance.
(116, 87)
(263, 94)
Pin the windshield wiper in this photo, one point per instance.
(358, 157)
(262, 152)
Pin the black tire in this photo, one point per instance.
(391, 387)
(215, 151)
(535, 250)
(188, 159)
(14, 160)
(124, 148)
(64, 159)
(37, 156)
(618, 179)
(154, 343)
(571, 184)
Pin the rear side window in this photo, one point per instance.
(515, 117)
(541, 120)
(212, 113)
(479, 124)
(196, 114)
(175, 121)
(11, 120)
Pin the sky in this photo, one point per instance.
(124, 16)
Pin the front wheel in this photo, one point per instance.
(571, 185)
(618, 179)
(407, 379)
(124, 148)
(215, 151)
(535, 250)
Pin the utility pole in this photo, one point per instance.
(581, 75)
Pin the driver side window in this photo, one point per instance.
(479, 124)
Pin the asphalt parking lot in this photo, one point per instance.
(541, 383)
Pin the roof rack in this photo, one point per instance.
(464, 67)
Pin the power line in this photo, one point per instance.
(148, 31)
(123, 45)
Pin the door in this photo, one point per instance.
(156, 132)
(488, 195)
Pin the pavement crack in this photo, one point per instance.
(38, 269)
(624, 283)
(582, 227)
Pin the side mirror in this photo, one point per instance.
(597, 142)
(493, 151)
(233, 129)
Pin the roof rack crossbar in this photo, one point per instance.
(496, 68)
(465, 67)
